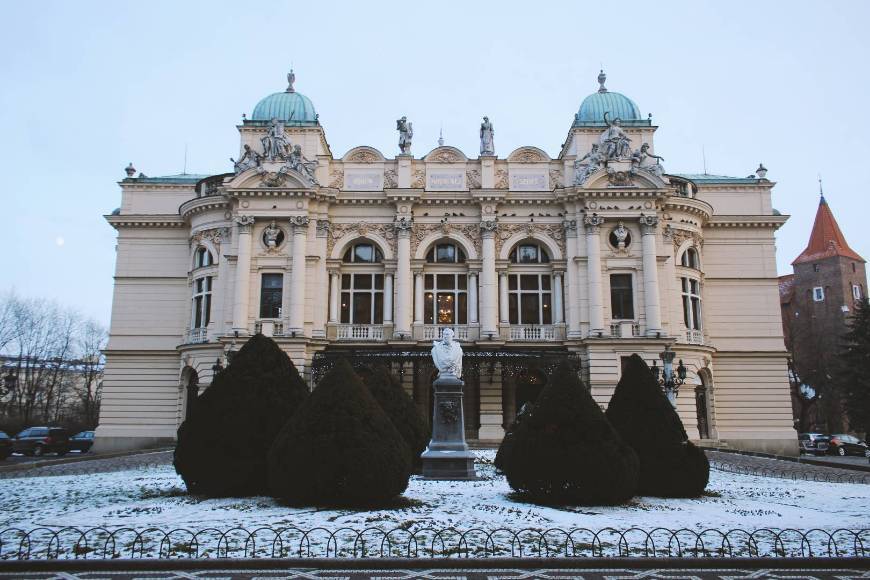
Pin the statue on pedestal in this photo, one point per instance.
(487, 147)
(447, 355)
(615, 144)
(275, 143)
(587, 165)
(406, 133)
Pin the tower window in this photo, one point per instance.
(857, 291)
(818, 294)
(815, 267)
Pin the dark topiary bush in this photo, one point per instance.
(564, 451)
(399, 407)
(222, 447)
(670, 466)
(340, 448)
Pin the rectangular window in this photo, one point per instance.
(621, 297)
(857, 292)
(691, 303)
(362, 299)
(271, 290)
(529, 299)
(446, 299)
(815, 267)
(201, 302)
(818, 294)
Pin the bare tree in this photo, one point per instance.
(91, 342)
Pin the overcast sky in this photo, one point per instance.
(86, 87)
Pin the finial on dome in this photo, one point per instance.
(601, 78)
(291, 78)
(441, 137)
(821, 193)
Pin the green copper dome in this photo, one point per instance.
(614, 104)
(289, 106)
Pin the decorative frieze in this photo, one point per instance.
(554, 231)
(418, 180)
(472, 178)
(215, 236)
(469, 231)
(360, 229)
(391, 179)
(336, 178)
(501, 179)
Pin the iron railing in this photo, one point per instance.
(800, 473)
(292, 542)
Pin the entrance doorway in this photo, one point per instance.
(702, 409)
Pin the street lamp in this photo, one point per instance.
(665, 375)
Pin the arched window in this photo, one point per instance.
(445, 254)
(690, 259)
(529, 254)
(364, 253)
(202, 258)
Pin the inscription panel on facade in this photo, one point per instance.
(358, 180)
(529, 181)
(445, 180)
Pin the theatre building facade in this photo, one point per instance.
(590, 256)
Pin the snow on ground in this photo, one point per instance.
(155, 497)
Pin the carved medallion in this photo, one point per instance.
(419, 179)
(336, 178)
(472, 178)
(390, 179)
(501, 179)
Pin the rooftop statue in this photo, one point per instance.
(298, 162)
(642, 159)
(615, 144)
(587, 165)
(275, 143)
(447, 355)
(487, 147)
(406, 133)
(248, 160)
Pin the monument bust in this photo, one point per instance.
(447, 355)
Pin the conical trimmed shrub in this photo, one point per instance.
(670, 465)
(565, 452)
(222, 446)
(340, 449)
(400, 408)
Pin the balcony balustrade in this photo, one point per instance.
(533, 333)
(360, 332)
(433, 331)
(694, 337)
(196, 336)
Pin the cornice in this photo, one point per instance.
(747, 221)
(689, 205)
(145, 221)
(326, 193)
(133, 186)
(202, 204)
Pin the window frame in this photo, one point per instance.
(280, 293)
(818, 294)
(352, 291)
(516, 294)
(542, 254)
(460, 257)
(633, 296)
(458, 294)
(693, 308)
(377, 254)
(202, 258)
(201, 300)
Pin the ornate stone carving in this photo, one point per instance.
(273, 178)
(248, 160)
(336, 178)
(340, 231)
(648, 223)
(272, 236)
(469, 231)
(556, 178)
(446, 157)
(646, 161)
(587, 165)
(501, 179)
(487, 146)
(614, 143)
(363, 156)
(275, 143)
(679, 236)
(323, 228)
(472, 179)
(245, 222)
(403, 226)
(488, 227)
(419, 179)
(406, 133)
(554, 231)
(619, 178)
(593, 223)
(569, 227)
(299, 222)
(527, 155)
(668, 233)
(216, 236)
(300, 164)
(391, 179)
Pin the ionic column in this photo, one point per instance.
(418, 298)
(403, 278)
(488, 289)
(572, 310)
(593, 263)
(243, 271)
(299, 225)
(335, 282)
(557, 298)
(504, 314)
(472, 298)
(388, 298)
(321, 300)
(652, 307)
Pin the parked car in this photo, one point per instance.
(842, 445)
(815, 443)
(82, 441)
(5, 446)
(41, 440)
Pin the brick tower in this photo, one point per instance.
(817, 300)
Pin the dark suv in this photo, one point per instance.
(41, 440)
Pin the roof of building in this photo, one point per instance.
(786, 288)
(288, 106)
(826, 239)
(179, 178)
(616, 105)
(708, 178)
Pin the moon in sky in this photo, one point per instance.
(59, 241)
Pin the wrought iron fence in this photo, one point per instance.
(291, 542)
(822, 474)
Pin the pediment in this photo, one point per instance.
(528, 154)
(363, 154)
(613, 177)
(445, 154)
(267, 176)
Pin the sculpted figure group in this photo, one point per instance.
(615, 145)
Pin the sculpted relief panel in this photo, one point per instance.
(359, 229)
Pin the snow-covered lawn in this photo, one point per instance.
(155, 497)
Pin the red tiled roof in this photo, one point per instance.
(826, 240)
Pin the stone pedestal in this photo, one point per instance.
(447, 456)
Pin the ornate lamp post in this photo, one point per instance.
(665, 375)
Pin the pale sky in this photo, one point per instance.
(86, 87)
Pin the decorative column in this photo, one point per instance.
(504, 314)
(388, 298)
(557, 298)
(652, 307)
(472, 298)
(335, 281)
(321, 300)
(572, 310)
(418, 299)
(593, 263)
(488, 290)
(402, 327)
(243, 271)
(299, 226)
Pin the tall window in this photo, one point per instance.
(690, 259)
(362, 298)
(202, 258)
(857, 291)
(363, 254)
(201, 302)
(621, 297)
(446, 299)
(271, 291)
(530, 299)
(691, 303)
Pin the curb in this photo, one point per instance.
(816, 462)
(79, 459)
